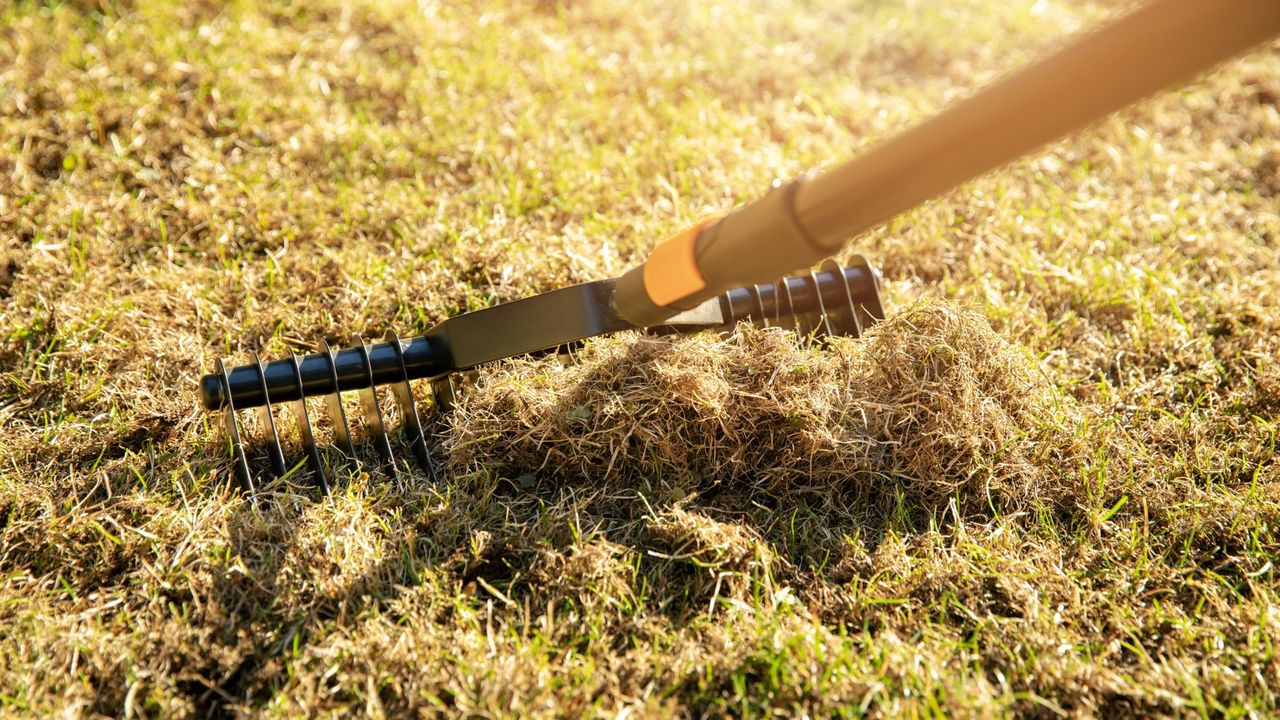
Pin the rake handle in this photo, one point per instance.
(798, 224)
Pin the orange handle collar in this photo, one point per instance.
(671, 271)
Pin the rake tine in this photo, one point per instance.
(411, 426)
(870, 310)
(373, 413)
(822, 306)
(853, 325)
(732, 320)
(777, 303)
(333, 406)
(274, 451)
(299, 408)
(443, 391)
(804, 324)
(759, 297)
(565, 355)
(784, 288)
(239, 463)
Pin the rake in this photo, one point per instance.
(721, 270)
(834, 300)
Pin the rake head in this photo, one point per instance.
(835, 300)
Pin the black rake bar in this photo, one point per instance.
(833, 300)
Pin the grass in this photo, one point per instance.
(1048, 486)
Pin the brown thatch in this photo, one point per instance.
(929, 405)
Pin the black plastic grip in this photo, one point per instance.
(423, 357)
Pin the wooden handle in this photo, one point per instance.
(1151, 48)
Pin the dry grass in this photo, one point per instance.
(1047, 486)
(931, 405)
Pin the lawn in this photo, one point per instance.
(1046, 486)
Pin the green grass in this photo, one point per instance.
(182, 181)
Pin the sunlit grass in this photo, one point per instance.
(181, 181)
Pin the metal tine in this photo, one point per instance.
(868, 315)
(759, 296)
(411, 426)
(777, 303)
(565, 355)
(299, 408)
(333, 406)
(239, 463)
(825, 328)
(803, 321)
(373, 413)
(854, 324)
(792, 322)
(274, 451)
(444, 393)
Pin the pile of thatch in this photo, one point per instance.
(930, 404)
